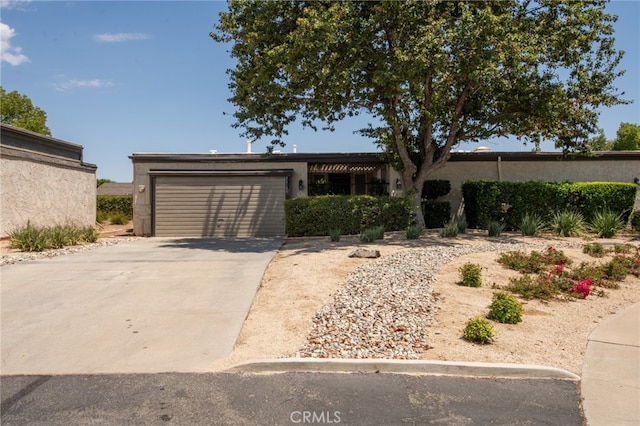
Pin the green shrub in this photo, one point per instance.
(606, 224)
(372, 234)
(436, 213)
(450, 230)
(470, 275)
(335, 234)
(314, 216)
(495, 229)
(435, 188)
(414, 231)
(115, 203)
(118, 218)
(102, 216)
(478, 330)
(594, 250)
(634, 221)
(531, 224)
(30, 238)
(485, 200)
(462, 226)
(89, 235)
(595, 272)
(568, 223)
(505, 309)
(532, 288)
(533, 262)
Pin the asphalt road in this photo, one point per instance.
(287, 399)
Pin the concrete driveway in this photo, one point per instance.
(151, 305)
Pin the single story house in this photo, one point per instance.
(45, 181)
(116, 188)
(239, 195)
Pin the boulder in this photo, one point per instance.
(365, 253)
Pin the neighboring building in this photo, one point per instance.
(115, 188)
(236, 195)
(43, 180)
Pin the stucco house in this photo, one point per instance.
(237, 195)
(116, 188)
(43, 180)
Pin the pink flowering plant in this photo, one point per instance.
(549, 274)
(582, 288)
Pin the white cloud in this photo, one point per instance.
(12, 55)
(13, 4)
(120, 37)
(73, 84)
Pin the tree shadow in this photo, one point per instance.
(230, 245)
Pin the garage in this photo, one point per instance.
(219, 203)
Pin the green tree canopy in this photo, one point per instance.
(599, 142)
(17, 110)
(627, 137)
(432, 73)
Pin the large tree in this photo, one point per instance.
(430, 73)
(18, 110)
(627, 137)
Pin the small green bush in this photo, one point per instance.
(568, 223)
(470, 275)
(625, 249)
(594, 250)
(532, 288)
(89, 235)
(533, 262)
(102, 216)
(478, 330)
(462, 226)
(606, 224)
(531, 225)
(30, 238)
(635, 220)
(118, 218)
(505, 309)
(372, 234)
(335, 234)
(413, 232)
(450, 230)
(495, 229)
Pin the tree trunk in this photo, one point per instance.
(417, 208)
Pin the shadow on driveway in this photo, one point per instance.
(231, 245)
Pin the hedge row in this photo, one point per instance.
(488, 201)
(436, 213)
(115, 203)
(315, 216)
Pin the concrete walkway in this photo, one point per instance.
(611, 371)
(152, 305)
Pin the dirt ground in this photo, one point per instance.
(305, 273)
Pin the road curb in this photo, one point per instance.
(417, 367)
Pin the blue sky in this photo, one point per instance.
(121, 77)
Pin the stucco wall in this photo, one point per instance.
(45, 194)
(142, 190)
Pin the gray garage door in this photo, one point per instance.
(219, 206)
